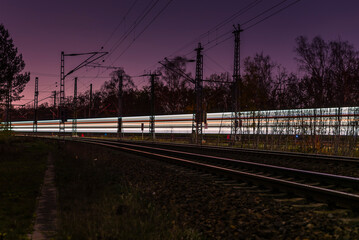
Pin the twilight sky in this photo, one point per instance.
(41, 29)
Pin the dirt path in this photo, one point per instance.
(45, 224)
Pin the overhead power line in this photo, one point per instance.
(215, 62)
(147, 10)
(228, 35)
(264, 12)
(57, 76)
(127, 33)
(219, 26)
(259, 18)
(276, 12)
(51, 96)
(146, 27)
(122, 21)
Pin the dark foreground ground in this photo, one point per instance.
(22, 168)
(206, 208)
(108, 195)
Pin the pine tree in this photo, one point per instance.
(11, 66)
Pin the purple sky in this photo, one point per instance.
(42, 29)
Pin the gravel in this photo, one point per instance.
(221, 211)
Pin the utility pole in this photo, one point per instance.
(36, 101)
(119, 113)
(8, 105)
(90, 106)
(54, 93)
(74, 119)
(93, 57)
(153, 98)
(198, 91)
(235, 123)
(54, 114)
(62, 96)
(120, 93)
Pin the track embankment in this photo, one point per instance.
(220, 208)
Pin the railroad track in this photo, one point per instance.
(340, 165)
(255, 152)
(336, 190)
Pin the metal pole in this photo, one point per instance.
(54, 92)
(90, 106)
(235, 123)
(74, 119)
(94, 56)
(8, 105)
(62, 96)
(36, 101)
(152, 117)
(54, 114)
(119, 113)
(152, 114)
(198, 90)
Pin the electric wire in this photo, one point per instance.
(29, 102)
(215, 28)
(264, 12)
(215, 62)
(146, 27)
(123, 19)
(220, 25)
(124, 36)
(143, 30)
(243, 24)
(254, 24)
(278, 11)
(139, 19)
(147, 10)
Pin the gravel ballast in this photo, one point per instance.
(219, 210)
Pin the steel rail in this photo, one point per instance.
(330, 178)
(264, 153)
(336, 197)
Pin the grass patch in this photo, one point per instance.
(22, 168)
(6, 136)
(95, 202)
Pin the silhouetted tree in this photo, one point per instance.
(330, 72)
(217, 93)
(11, 66)
(109, 93)
(257, 83)
(175, 92)
(290, 94)
(344, 73)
